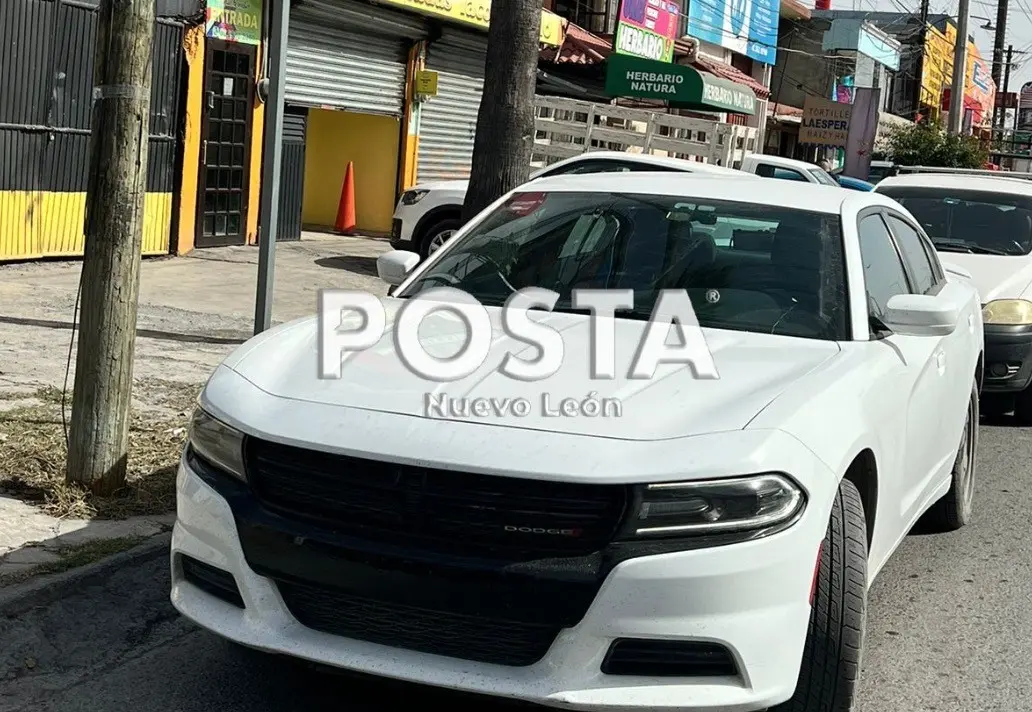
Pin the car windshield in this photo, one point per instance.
(823, 176)
(745, 266)
(974, 221)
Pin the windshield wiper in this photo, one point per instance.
(969, 249)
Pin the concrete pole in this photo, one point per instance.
(956, 115)
(272, 152)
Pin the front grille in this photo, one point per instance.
(427, 631)
(435, 509)
(395, 229)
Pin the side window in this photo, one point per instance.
(767, 170)
(884, 276)
(922, 266)
(789, 174)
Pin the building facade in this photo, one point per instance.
(46, 64)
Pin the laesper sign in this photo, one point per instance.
(825, 122)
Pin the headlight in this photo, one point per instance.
(1007, 311)
(217, 443)
(714, 506)
(411, 197)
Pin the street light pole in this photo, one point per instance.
(272, 152)
(959, 69)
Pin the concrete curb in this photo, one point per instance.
(44, 590)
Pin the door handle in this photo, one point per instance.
(940, 360)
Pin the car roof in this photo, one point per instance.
(786, 162)
(958, 181)
(680, 164)
(790, 194)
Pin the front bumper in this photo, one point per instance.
(1008, 358)
(752, 598)
(403, 223)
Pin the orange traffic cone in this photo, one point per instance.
(346, 210)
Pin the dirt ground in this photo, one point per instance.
(194, 311)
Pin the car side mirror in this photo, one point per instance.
(394, 266)
(921, 315)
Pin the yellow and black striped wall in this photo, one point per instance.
(46, 75)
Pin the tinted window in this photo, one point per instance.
(768, 171)
(608, 166)
(883, 271)
(970, 220)
(781, 271)
(922, 270)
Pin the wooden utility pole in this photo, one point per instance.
(922, 39)
(504, 141)
(99, 433)
(999, 40)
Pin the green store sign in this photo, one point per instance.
(684, 87)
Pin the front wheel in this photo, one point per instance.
(437, 235)
(838, 614)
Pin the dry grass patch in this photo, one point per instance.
(72, 557)
(33, 453)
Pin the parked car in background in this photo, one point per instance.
(984, 225)
(428, 214)
(881, 170)
(707, 546)
(786, 169)
(854, 183)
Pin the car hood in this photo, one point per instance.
(995, 276)
(753, 370)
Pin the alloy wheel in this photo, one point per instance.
(438, 240)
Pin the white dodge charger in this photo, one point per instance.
(671, 540)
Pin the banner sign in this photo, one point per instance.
(825, 122)
(234, 21)
(647, 29)
(748, 27)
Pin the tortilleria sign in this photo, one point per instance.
(825, 122)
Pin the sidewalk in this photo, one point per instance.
(194, 310)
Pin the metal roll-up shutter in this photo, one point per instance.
(448, 121)
(292, 173)
(346, 66)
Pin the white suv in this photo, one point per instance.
(429, 213)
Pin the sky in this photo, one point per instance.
(1019, 26)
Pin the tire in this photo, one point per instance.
(433, 234)
(1023, 407)
(996, 405)
(835, 636)
(954, 510)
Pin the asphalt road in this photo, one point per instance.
(949, 630)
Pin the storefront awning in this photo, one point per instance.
(682, 86)
(731, 73)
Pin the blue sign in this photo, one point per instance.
(748, 27)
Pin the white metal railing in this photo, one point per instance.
(569, 127)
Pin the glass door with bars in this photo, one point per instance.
(224, 177)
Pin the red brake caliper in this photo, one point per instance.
(816, 572)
